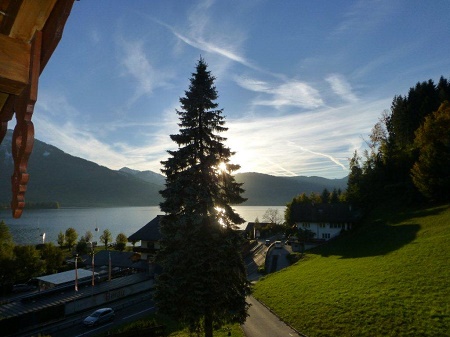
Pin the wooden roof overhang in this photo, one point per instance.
(30, 30)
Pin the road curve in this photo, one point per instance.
(262, 322)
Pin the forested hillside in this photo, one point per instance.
(56, 176)
(409, 150)
(264, 189)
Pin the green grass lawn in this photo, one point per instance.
(391, 277)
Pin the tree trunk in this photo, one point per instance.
(208, 326)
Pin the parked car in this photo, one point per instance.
(267, 242)
(99, 316)
(278, 244)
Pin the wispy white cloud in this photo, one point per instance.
(137, 65)
(313, 142)
(56, 104)
(363, 16)
(294, 93)
(72, 139)
(341, 87)
(202, 44)
(252, 84)
(92, 142)
(289, 93)
(325, 155)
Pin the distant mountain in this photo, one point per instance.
(149, 176)
(56, 176)
(264, 189)
(72, 181)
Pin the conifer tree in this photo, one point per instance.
(203, 281)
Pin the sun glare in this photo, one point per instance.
(220, 213)
(222, 167)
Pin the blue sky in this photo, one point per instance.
(301, 83)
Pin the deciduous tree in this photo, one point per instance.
(82, 246)
(272, 216)
(61, 239)
(53, 257)
(71, 237)
(431, 173)
(88, 236)
(28, 262)
(106, 238)
(121, 241)
(203, 282)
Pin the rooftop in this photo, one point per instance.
(65, 277)
(150, 232)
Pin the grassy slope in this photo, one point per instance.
(389, 278)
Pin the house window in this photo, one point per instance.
(325, 235)
(322, 225)
(306, 225)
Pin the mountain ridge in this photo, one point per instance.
(56, 176)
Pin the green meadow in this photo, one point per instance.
(389, 277)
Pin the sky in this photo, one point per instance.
(301, 83)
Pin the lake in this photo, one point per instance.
(30, 227)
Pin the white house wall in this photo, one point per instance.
(324, 231)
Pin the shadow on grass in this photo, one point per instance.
(381, 241)
(385, 232)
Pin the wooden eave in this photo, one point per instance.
(30, 31)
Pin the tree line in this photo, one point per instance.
(408, 155)
(326, 197)
(85, 243)
(20, 263)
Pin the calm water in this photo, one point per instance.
(33, 223)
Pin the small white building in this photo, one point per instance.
(324, 220)
(64, 278)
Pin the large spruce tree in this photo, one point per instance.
(203, 281)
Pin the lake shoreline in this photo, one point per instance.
(34, 222)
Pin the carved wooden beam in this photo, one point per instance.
(6, 114)
(30, 30)
(53, 30)
(23, 136)
(14, 65)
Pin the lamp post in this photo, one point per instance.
(76, 272)
(92, 245)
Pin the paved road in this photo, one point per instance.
(262, 323)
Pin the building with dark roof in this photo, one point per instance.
(324, 220)
(253, 229)
(149, 236)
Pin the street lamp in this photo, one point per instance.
(76, 272)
